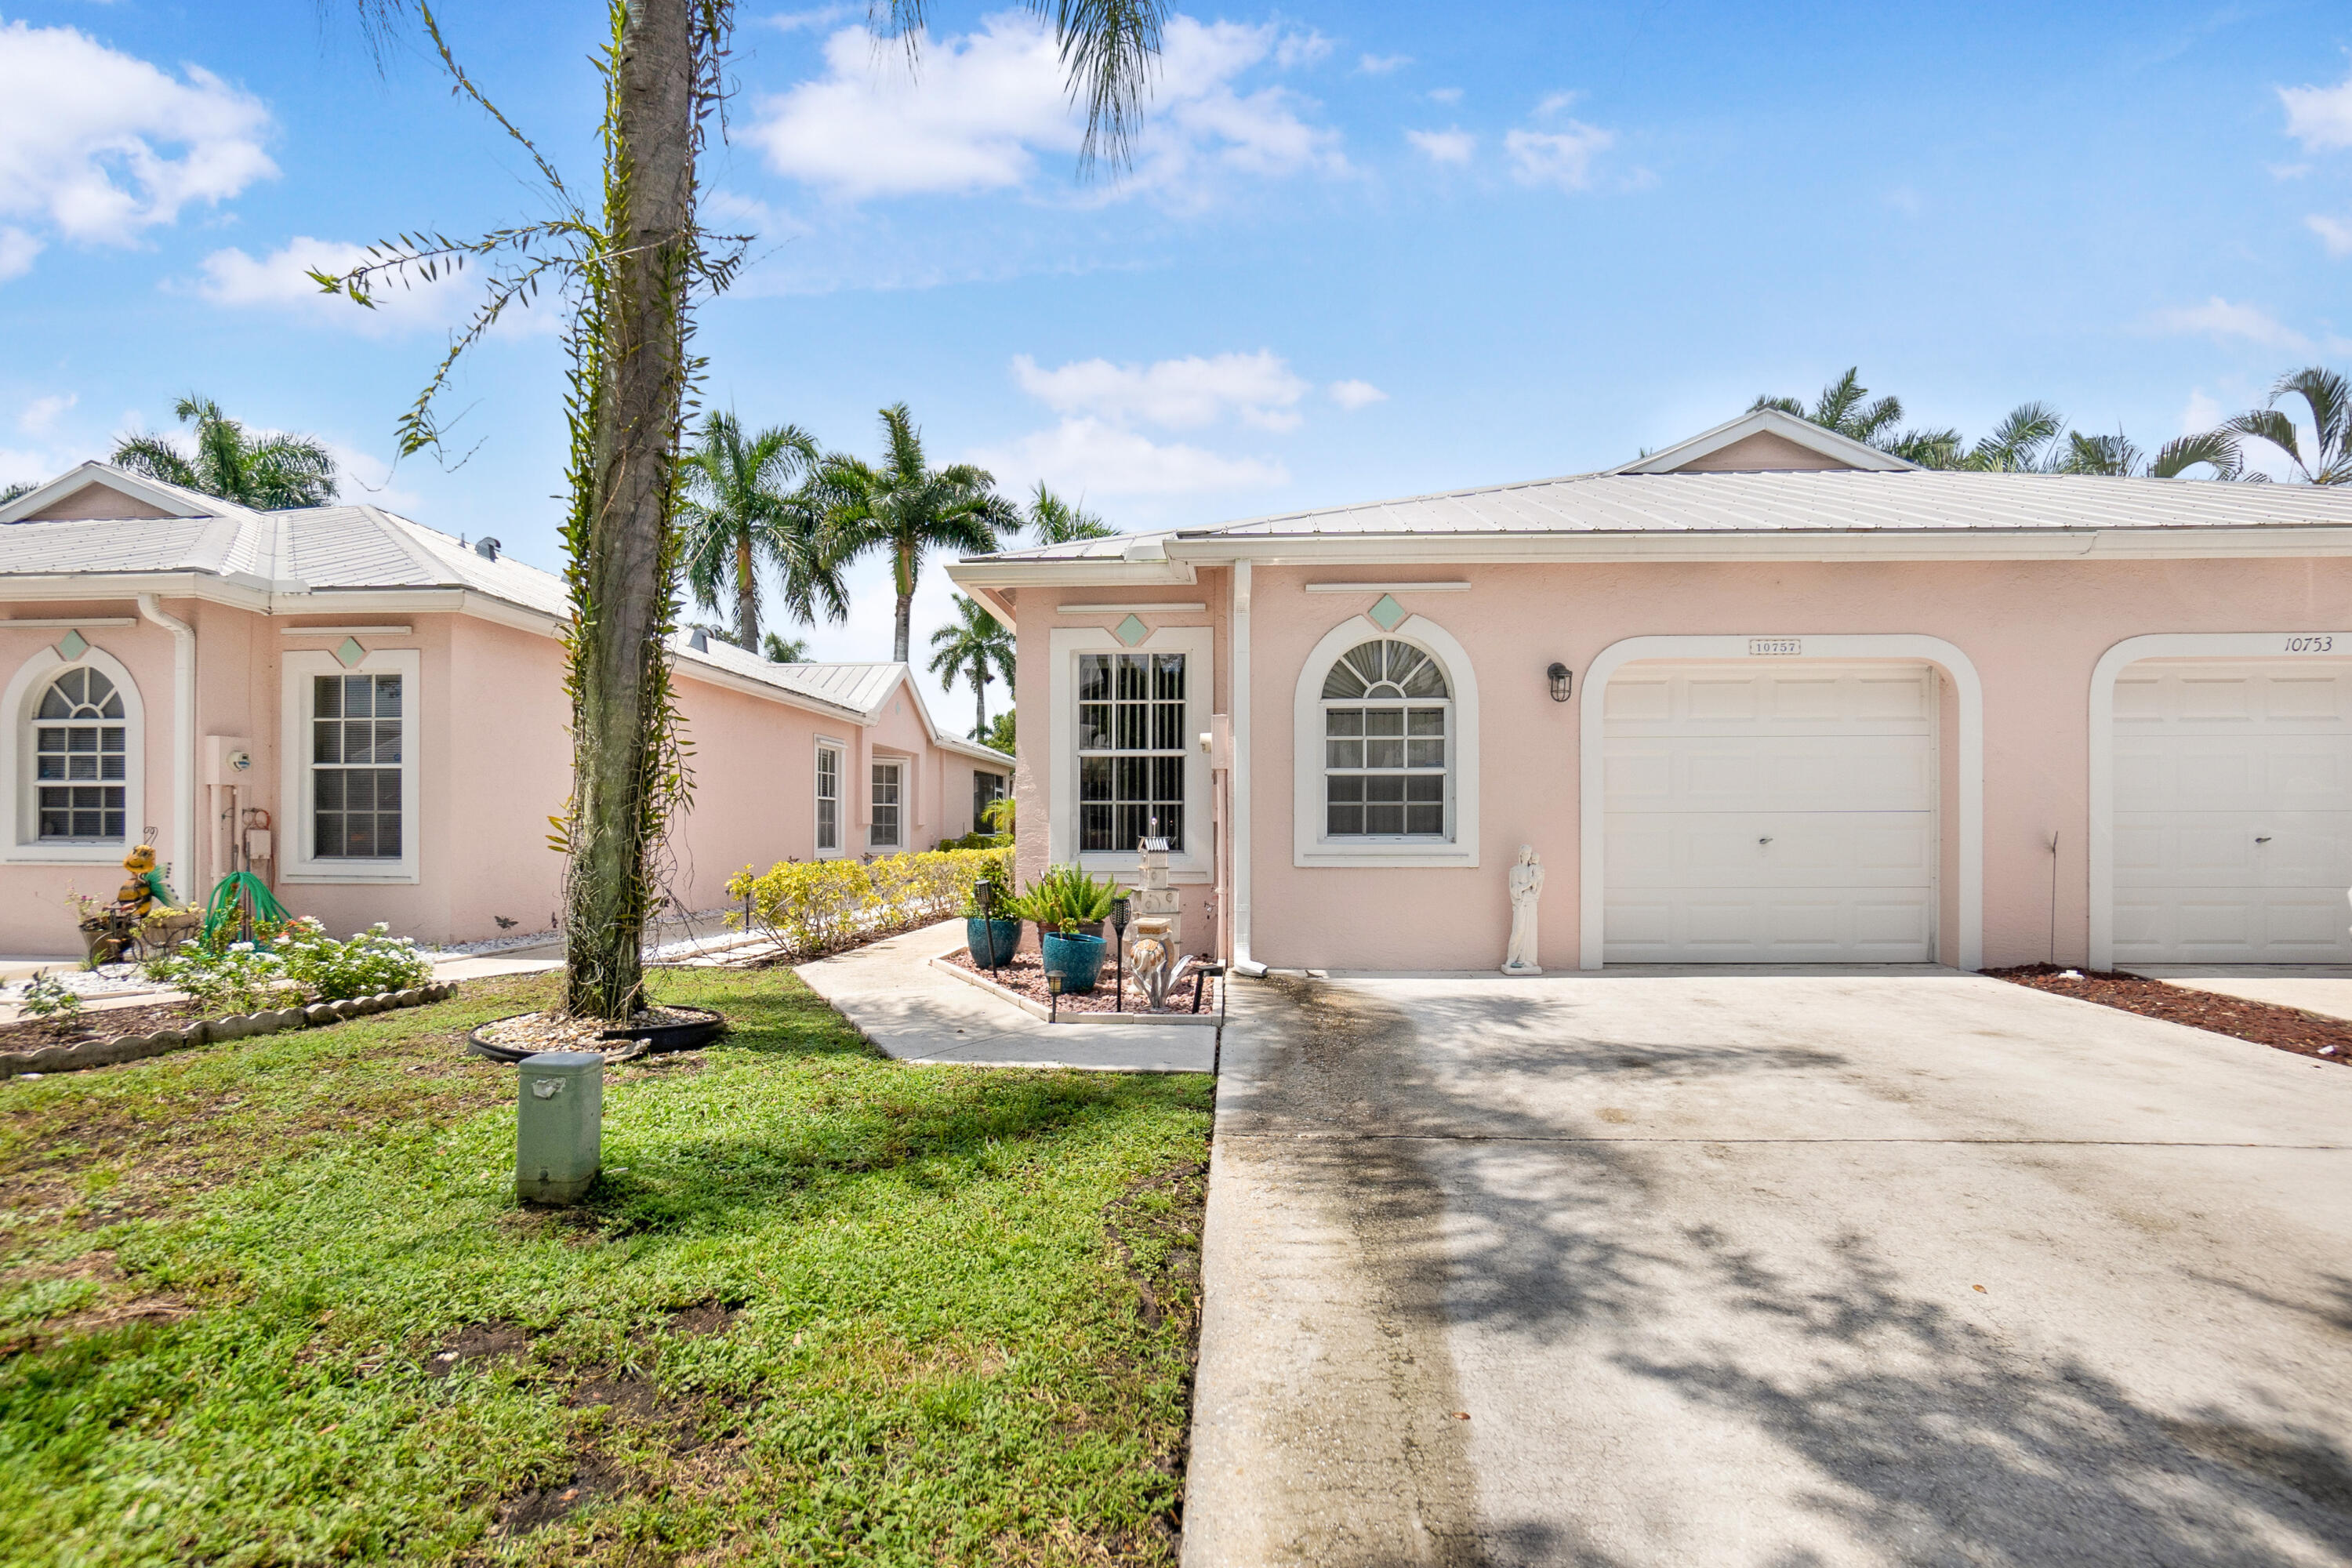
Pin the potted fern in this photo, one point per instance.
(1068, 907)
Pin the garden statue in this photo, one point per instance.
(145, 886)
(1526, 887)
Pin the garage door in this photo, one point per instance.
(1777, 814)
(2234, 813)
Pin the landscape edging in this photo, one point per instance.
(1038, 1009)
(121, 1048)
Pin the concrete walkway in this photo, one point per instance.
(1778, 1269)
(2325, 988)
(893, 997)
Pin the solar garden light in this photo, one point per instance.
(984, 894)
(559, 1125)
(1053, 995)
(1119, 959)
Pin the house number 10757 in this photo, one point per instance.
(2316, 643)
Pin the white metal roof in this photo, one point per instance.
(1831, 501)
(332, 550)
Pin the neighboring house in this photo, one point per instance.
(393, 699)
(1767, 696)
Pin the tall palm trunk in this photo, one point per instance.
(747, 596)
(905, 584)
(621, 582)
(979, 698)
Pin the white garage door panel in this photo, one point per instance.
(2234, 813)
(1781, 814)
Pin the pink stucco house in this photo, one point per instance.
(389, 700)
(1767, 696)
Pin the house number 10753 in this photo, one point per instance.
(2314, 643)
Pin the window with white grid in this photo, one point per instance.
(80, 760)
(828, 800)
(357, 743)
(889, 805)
(1131, 750)
(1387, 717)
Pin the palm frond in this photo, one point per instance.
(2215, 448)
(2272, 425)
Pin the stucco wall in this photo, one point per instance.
(2033, 630)
(490, 734)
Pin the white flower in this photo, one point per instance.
(240, 947)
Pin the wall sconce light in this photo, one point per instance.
(1562, 682)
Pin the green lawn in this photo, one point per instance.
(822, 1308)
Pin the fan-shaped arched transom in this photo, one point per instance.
(1384, 667)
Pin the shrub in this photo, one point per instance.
(46, 996)
(372, 961)
(810, 906)
(293, 963)
(1064, 899)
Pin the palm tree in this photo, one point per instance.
(905, 507)
(784, 650)
(2328, 400)
(271, 472)
(743, 510)
(1843, 406)
(1058, 523)
(974, 647)
(631, 268)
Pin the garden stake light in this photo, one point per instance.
(984, 892)
(1053, 997)
(1118, 959)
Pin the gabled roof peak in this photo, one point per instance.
(1759, 441)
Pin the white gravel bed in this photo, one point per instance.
(107, 980)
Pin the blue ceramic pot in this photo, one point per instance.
(992, 942)
(1079, 958)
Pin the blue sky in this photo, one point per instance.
(1364, 250)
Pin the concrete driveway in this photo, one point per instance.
(1773, 1268)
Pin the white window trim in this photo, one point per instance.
(23, 846)
(906, 766)
(840, 749)
(1592, 774)
(2103, 675)
(300, 828)
(1308, 845)
(1198, 644)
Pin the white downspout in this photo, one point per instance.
(1243, 962)
(183, 740)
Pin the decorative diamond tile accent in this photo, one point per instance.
(1131, 630)
(350, 653)
(74, 645)
(1388, 613)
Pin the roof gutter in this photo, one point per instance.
(183, 738)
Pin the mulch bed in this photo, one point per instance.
(557, 1032)
(2283, 1028)
(1026, 975)
(93, 1024)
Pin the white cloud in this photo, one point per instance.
(2319, 117)
(2199, 413)
(1355, 395)
(2218, 318)
(101, 145)
(1259, 389)
(1451, 146)
(1381, 64)
(985, 107)
(17, 250)
(1092, 458)
(1445, 95)
(280, 281)
(2333, 232)
(41, 416)
(1561, 158)
(1554, 102)
(809, 21)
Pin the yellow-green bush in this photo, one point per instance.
(811, 906)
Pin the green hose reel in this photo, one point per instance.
(238, 895)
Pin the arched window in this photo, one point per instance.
(1387, 753)
(80, 760)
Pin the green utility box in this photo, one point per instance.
(559, 1125)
